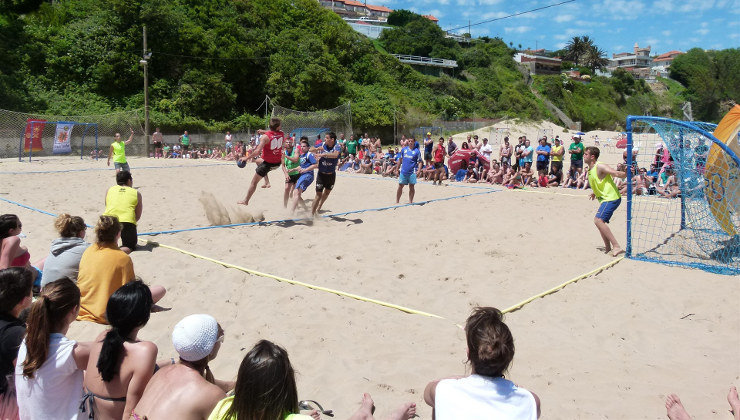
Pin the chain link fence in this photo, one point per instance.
(18, 130)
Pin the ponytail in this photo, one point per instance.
(69, 226)
(46, 316)
(110, 353)
(128, 308)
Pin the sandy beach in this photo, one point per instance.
(608, 346)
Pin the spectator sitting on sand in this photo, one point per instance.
(508, 175)
(103, 269)
(66, 251)
(556, 177)
(16, 284)
(49, 368)
(186, 389)
(12, 253)
(266, 389)
(671, 188)
(485, 393)
(572, 180)
(120, 365)
(495, 174)
(676, 410)
(527, 174)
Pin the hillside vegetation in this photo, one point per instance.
(213, 62)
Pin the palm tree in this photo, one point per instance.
(577, 48)
(595, 58)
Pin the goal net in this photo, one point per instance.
(682, 194)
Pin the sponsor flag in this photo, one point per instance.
(33, 138)
(62, 136)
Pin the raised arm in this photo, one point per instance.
(130, 137)
(604, 170)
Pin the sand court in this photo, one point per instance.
(610, 346)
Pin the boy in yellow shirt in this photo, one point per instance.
(606, 191)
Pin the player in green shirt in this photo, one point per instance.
(291, 162)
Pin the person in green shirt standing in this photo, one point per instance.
(352, 146)
(185, 143)
(576, 153)
(118, 152)
(291, 162)
(606, 191)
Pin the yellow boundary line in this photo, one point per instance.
(300, 283)
(376, 301)
(558, 287)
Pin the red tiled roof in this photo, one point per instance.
(379, 8)
(432, 18)
(667, 56)
(353, 3)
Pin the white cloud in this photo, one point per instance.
(696, 6)
(518, 29)
(652, 42)
(703, 31)
(620, 9)
(663, 6)
(563, 18)
(666, 33)
(493, 15)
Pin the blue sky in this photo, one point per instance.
(615, 25)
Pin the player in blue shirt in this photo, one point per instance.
(328, 155)
(410, 161)
(307, 165)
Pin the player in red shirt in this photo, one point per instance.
(271, 149)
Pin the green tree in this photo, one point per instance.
(595, 58)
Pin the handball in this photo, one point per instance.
(241, 163)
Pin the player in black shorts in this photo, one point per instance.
(290, 165)
(328, 155)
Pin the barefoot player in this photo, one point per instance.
(328, 157)
(410, 160)
(606, 191)
(271, 148)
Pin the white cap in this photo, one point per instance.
(194, 337)
(577, 136)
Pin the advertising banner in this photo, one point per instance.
(62, 136)
(33, 138)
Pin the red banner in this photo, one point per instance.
(34, 138)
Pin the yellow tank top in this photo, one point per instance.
(556, 156)
(121, 202)
(605, 189)
(119, 152)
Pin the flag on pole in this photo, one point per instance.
(32, 135)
